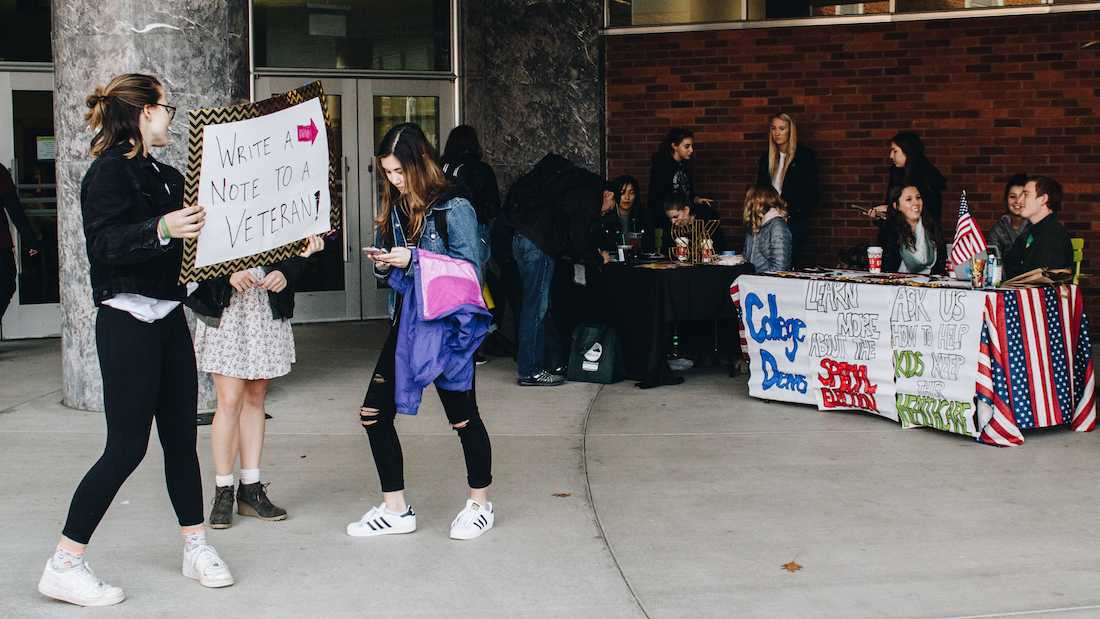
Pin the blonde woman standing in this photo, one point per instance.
(791, 169)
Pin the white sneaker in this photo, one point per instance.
(379, 521)
(78, 586)
(472, 521)
(680, 364)
(203, 564)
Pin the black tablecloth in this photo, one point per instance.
(647, 301)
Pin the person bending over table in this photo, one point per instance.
(680, 212)
(768, 240)
(1046, 243)
(910, 241)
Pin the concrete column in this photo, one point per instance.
(199, 50)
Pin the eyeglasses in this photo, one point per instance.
(171, 110)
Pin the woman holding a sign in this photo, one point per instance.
(134, 218)
(420, 209)
(247, 343)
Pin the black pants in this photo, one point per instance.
(386, 447)
(148, 372)
(7, 279)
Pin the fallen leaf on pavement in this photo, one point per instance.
(792, 567)
(563, 494)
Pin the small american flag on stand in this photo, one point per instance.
(969, 240)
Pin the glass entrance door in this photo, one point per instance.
(27, 150)
(368, 108)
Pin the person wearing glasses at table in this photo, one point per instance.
(134, 223)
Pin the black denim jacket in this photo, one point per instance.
(122, 201)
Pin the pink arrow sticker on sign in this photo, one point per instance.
(308, 133)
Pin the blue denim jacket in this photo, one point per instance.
(463, 239)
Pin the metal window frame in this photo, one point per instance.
(892, 16)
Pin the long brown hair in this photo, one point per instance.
(114, 111)
(760, 199)
(773, 151)
(424, 179)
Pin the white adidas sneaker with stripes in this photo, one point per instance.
(474, 520)
(379, 521)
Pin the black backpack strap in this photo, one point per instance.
(439, 216)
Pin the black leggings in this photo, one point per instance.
(458, 405)
(148, 371)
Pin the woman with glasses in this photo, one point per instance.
(134, 220)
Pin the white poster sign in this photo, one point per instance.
(777, 337)
(264, 182)
(935, 337)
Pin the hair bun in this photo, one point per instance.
(96, 97)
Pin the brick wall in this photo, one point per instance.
(990, 97)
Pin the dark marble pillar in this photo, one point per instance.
(532, 81)
(199, 50)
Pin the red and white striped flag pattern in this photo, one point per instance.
(969, 240)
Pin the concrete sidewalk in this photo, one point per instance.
(611, 502)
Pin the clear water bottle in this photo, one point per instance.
(993, 266)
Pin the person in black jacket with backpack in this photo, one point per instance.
(462, 162)
(134, 220)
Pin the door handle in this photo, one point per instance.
(344, 215)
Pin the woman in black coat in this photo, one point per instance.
(791, 169)
(910, 166)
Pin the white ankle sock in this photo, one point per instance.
(192, 540)
(63, 560)
(222, 481)
(250, 476)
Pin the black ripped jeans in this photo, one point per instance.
(460, 406)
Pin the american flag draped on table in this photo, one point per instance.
(1035, 367)
(969, 240)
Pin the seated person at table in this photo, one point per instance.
(911, 243)
(1046, 244)
(630, 213)
(606, 233)
(1012, 224)
(768, 244)
(680, 212)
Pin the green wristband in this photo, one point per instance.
(163, 227)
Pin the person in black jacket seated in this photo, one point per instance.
(248, 342)
(910, 165)
(462, 162)
(911, 241)
(134, 220)
(671, 173)
(607, 231)
(632, 216)
(1046, 244)
(791, 169)
(679, 211)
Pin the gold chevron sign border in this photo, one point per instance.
(197, 119)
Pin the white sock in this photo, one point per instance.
(194, 540)
(250, 476)
(63, 560)
(401, 513)
(222, 481)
